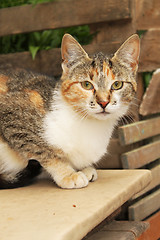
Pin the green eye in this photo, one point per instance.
(87, 85)
(117, 85)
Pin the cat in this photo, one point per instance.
(64, 126)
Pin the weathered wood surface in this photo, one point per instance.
(138, 131)
(135, 227)
(123, 230)
(152, 233)
(150, 49)
(155, 172)
(60, 14)
(147, 14)
(102, 235)
(151, 100)
(112, 160)
(112, 31)
(49, 62)
(145, 207)
(141, 156)
(140, 88)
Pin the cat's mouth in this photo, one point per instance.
(103, 113)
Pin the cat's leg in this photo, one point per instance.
(90, 173)
(64, 175)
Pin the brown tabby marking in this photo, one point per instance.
(3, 84)
(65, 126)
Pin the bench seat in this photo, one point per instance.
(44, 211)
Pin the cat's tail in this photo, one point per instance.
(23, 178)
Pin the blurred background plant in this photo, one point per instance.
(43, 40)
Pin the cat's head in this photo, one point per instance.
(101, 86)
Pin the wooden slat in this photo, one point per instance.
(114, 235)
(138, 131)
(155, 172)
(150, 49)
(145, 207)
(112, 160)
(122, 230)
(141, 156)
(60, 14)
(147, 14)
(135, 227)
(49, 62)
(151, 100)
(153, 232)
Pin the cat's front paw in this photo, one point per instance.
(90, 173)
(75, 180)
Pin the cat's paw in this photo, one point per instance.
(75, 180)
(90, 173)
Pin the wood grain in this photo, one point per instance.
(112, 159)
(151, 100)
(49, 62)
(60, 14)
(155, 172)
(120, 230)
(152, 232)
(145, 207)
(141, 156)
(147, 14)
(138, 131)
(150, 49)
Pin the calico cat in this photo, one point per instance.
(64, 127)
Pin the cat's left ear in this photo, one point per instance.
(71, 51)
(129, 52)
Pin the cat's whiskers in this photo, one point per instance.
(83, 114)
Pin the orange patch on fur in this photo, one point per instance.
(105, 68)
(66, 85)
(97, 72)
(73, 94)
(107, 71)
(113, 76)
(36, 99)
(3, 84)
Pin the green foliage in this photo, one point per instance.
(141, 32)
(36, 41)
(44, 40)
(13, 3)
(146, 78)
(52, 38)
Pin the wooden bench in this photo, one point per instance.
(147, 155)
(44, 211)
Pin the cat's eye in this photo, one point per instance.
(87, 85)
(117, 85)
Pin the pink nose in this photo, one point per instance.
(103, 104)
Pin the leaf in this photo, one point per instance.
(33, 50)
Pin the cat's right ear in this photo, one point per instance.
(71, 51)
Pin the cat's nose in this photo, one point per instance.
(103, 104)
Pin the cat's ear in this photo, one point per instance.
(129, 52)
(71, 50)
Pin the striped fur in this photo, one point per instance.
(65, 126)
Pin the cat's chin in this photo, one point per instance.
(102, 115)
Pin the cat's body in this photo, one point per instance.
(65, 126)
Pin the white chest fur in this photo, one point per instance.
(83, 141)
